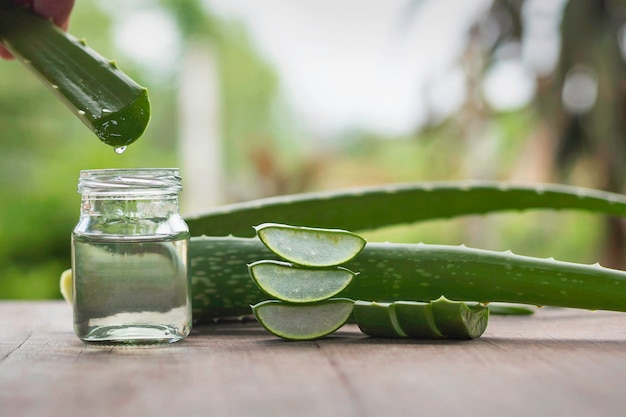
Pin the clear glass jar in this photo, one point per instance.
(129, 258)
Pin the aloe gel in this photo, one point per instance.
(129, 259)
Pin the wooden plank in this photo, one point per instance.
(561, 361)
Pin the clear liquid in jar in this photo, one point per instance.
(131, 290)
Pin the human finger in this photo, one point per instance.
(57, 10)
(4, 53)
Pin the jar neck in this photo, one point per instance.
(130, 193)
(130, 206)
(130, 203)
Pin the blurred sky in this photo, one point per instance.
(355, 62)
(383, 66)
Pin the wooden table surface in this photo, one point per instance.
(557, 362)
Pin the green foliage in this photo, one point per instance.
(42, 149)
(43, 146)
(249, 88)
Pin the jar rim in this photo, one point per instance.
(129, 171)
(137, 180)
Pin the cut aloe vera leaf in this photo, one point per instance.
(303, 321)
(105, 99)
(457, 320)
(377, 319)
(416, 320)
(309, 246)
(290, 283)
(65, 285)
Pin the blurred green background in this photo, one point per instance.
(252, 99)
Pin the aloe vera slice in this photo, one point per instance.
(303, 321)
(377, 319)
(309, 246)
(457, 320)
(105, 99)
(416, 319)
(287, 282)
(65, 285)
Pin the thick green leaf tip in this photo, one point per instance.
(125, 126)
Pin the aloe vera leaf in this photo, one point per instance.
(359, 209)
(507, 309)
(105, 99)
(457, 320)
(293, 284)
(416, 319)
(377, 319)
(303, 321)
(414, 272)
(308, 246)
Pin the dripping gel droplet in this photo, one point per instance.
(120, 150)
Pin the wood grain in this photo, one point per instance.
(557, 362)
